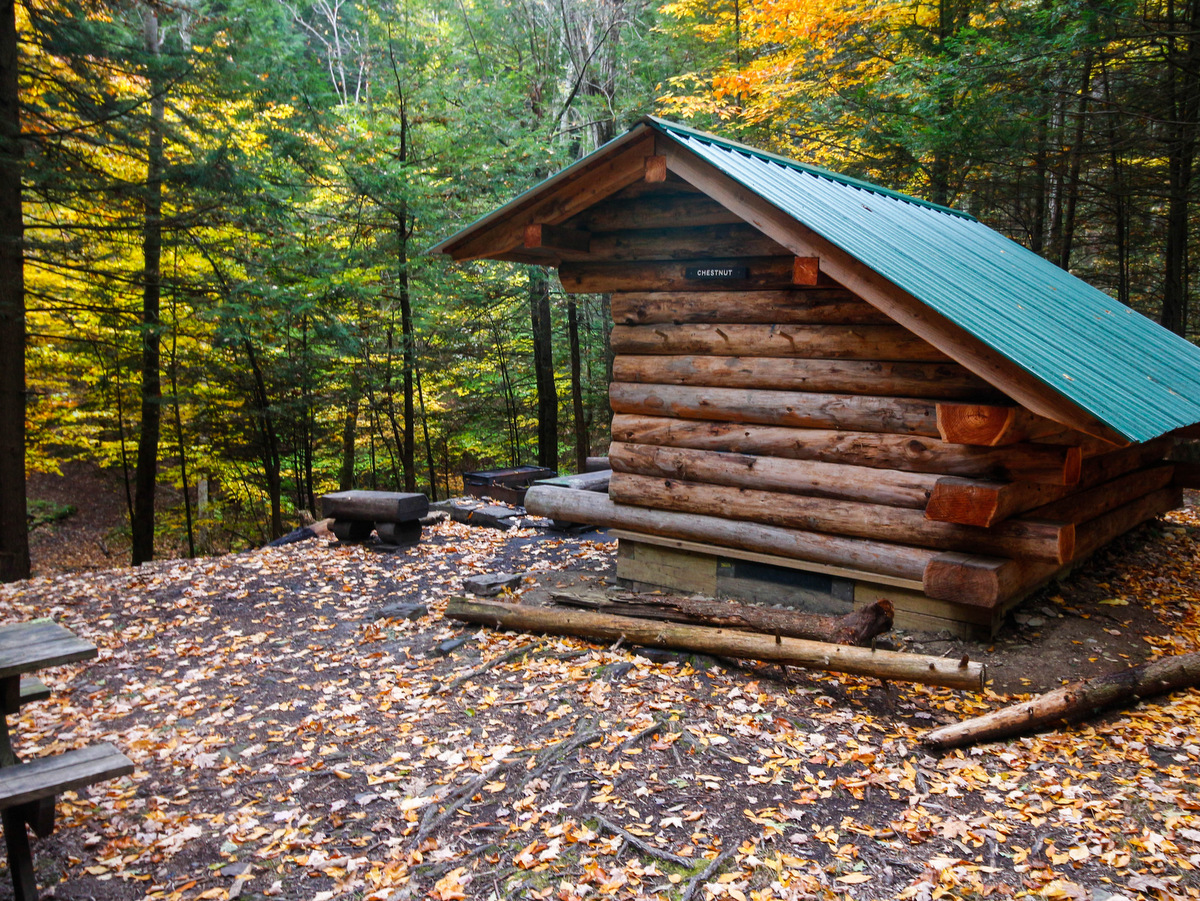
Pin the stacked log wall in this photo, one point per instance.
(783, 413)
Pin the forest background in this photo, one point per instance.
(215, 214)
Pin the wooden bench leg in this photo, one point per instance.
(20, 857)
(40, 816)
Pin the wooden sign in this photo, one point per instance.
(717, 273)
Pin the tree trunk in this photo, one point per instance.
(146, 474)
(857, 628)
(408, 455)
(1183, 85)
(581, 429)
(14, 531)
(349, 436)
(1072, 702)
(543, 368)
(889, 665)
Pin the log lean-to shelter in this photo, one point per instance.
(826, 392)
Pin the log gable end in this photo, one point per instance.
(774, 397)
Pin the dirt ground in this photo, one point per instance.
(299, 735)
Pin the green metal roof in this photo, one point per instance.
(1126, 370)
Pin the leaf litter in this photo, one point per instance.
(293, 740)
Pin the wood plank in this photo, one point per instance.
(684, 243)
(809, 477)
(899, 415)
(672, 275)
(914, 609)
(856, 342)
(905, 309)
(662, 567)
(982, 503)
(1052, 542)
(39, 644)
(807, 306)
(575, 191)
(33, 689)
(886, 379)
(991, 425)
(46, 777)
(903, 561)
(752, 556)
(911, 453)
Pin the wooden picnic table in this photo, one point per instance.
(28, 790)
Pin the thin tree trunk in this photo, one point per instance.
(1183, 82)
(408, 454)
(581, 430)
(146, 474)
(349, 434)
(1072, 187)
(14, 529)
(269, 447)
(428, 446)
(543, 368)
(183, 469)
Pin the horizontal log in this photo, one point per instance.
(672, 275)
(859, 627)
(926, 380)
(975, 580)
(809, 477)
(555, 237)
(979, 503)
(374, 506)
(799, 305)
(1071, 703)
(1187, 475)
(889, 665)
(860, 342)
(911, 453)
(1024, 538)
(1096, 501)
(992, 426)
(654, 209)
(1094, 534)
(738, 240)
(899, 415)
(900, 561)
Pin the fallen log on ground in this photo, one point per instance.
(856, 628)
(1071, 703)
(888, 665)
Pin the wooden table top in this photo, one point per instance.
(26, 647)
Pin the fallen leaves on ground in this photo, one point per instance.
(295, 740)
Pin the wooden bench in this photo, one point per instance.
(28, 791)
(392, 515)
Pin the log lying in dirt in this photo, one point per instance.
(1072, 702)
(857, 628)
(889, 665)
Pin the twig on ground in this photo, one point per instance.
(484, 667)
(656, 726)
(707, 873)
(645, 847)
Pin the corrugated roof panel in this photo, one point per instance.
(1124, 369)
